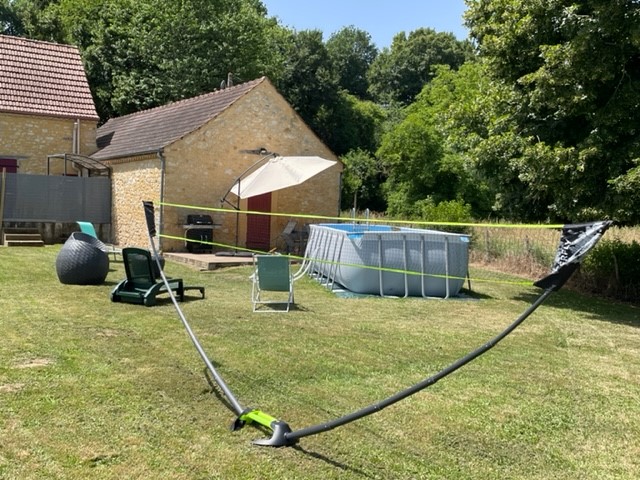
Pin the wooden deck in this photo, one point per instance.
(207, 261)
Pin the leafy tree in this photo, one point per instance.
(414, 161)
(310, 83)
(351, 124)
(143, 53)
(306, 80)
(10, 22)
(433, 156)
(399, 73)
(35, 19)
(362, 182)
(461, 106)
(351, 53)
(573, 115)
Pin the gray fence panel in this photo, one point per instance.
(44, 198)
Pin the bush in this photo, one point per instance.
(453, 211)
(612, 269)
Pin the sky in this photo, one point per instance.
(382, 19)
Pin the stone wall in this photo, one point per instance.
(30, 138)
(133, 180)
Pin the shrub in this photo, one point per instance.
(448, 211)
(613, 269)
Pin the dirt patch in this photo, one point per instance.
(107, 333)
(34, 363)
(11, 387)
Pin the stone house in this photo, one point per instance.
(190, 152)
(46, 107)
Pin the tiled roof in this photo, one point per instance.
(43, 78)
(150, 130)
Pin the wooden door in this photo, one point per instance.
(259, 226)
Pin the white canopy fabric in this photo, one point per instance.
(278, 173)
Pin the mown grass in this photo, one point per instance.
(92, 389)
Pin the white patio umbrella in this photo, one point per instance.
(278, 173)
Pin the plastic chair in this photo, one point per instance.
(82, 260)
(292, 239)
(141, 286)
(89, 229)
(272, 274)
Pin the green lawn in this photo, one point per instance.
(92, 389)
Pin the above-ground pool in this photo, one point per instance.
(388, 261)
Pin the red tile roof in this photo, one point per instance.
(150, 130)
(43, 78)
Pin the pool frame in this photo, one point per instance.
(388, 261)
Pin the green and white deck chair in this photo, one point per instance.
(89, 229)
(271, 278)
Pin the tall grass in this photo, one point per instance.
(611, 270)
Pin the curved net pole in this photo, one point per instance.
(244, 415)
(151, 228)
(376, 407)
(575, 242)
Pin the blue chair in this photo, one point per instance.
(271, 276)
(89, 229)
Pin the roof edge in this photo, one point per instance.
(141, 153)
(257, 81)
(33, 40)
(51, 115)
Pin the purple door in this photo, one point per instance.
(9, 164)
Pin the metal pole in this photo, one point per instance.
(237, 407)
(330, 425)
(224, 200)
(4, 184)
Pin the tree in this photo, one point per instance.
(574, 74)
(351, 53)
(362, 182)
(351, 124)
(461, 105)
(411, 155)
(399, 73)
(433, 157)
(35, 19)
(143, 53)
(10, 22)
(307, 82)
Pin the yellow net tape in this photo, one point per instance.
(512, 254)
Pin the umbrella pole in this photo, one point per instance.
(237, 219)
(237, 206)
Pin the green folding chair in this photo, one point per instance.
(141, 286)
(271, 278)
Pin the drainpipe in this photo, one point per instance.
(3, 188)
(161, 210)
(75, 147)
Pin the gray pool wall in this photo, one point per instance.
(388, 261)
